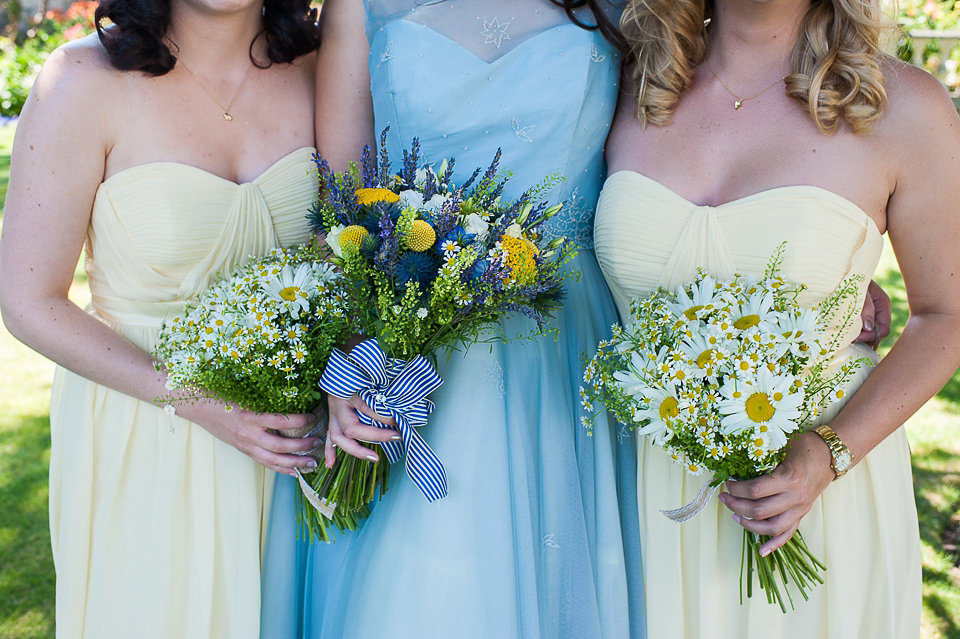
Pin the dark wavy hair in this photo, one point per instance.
(135, 41)
(598, 8)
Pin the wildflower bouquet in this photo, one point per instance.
(260, 338)
(723, 375)
(428, 266)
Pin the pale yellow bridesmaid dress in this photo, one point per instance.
(864, 526)
(156, 525)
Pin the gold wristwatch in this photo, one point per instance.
(842, 457)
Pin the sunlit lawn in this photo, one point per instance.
(26, 567)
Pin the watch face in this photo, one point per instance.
(843, 462)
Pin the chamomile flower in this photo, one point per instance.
(661, 409)
(798, 334)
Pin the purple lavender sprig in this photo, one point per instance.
(470, 180)
(448, 174)
(342, 200)
(445, 220)
(411, 160)
(386, 257)
(384, 175)
(430, 187)
(370, 177)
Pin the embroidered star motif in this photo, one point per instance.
(386, 55)
(495, 32)
(548, 541)
(595, 54)
(523, 132)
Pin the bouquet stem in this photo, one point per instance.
(791, 562)
(349, 486)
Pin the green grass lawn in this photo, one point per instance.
(26, 567)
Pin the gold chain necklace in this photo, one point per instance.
(741, 100)
(225, 109)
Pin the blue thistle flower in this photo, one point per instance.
(416, 267)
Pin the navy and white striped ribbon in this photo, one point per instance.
(399, 389)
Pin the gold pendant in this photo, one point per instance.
(736, 105)
(229, 118)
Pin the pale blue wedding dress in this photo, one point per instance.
(539, 535)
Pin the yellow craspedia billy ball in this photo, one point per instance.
(366, 197)
(523, 268)
(352, 237)
(420, 237)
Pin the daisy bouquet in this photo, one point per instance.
(260, 337)
(723, 375)
(430, 266)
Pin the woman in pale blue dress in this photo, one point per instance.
(538, 536)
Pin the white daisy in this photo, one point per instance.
(798, 333)
(767, 401)
(662, 407)
(292, 288)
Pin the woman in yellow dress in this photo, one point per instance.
(750, 123)
(163, 146)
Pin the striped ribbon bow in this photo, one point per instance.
(397, 388)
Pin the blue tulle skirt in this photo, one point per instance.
(538, 536)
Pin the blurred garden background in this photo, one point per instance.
(929, 36)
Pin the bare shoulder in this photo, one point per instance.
(78, 70)
(919, 110)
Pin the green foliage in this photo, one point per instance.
(940, 57)
(20, 64)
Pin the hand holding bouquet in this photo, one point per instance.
(723, 376)
(261, 337)
(428, 265)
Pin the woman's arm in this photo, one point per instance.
(344, 126)
(63, 139)
(923, 220)
(344, 102)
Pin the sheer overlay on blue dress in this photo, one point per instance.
(538, 536)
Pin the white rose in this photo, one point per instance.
(411, 199)
(476, 225)
(514, 230)
(433, 204)
(333, 239)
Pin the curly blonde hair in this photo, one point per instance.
(835, 67)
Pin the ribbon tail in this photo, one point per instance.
(691, 510)
(322, 506)
(422, 464)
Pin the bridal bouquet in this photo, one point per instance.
(428, 265)
(260, 338)
(723, 375)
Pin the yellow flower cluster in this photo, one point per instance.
(366, 197)
(420, 237)
(352, 237)
(520, 258)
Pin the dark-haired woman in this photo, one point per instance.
(176, 144)
(536, 538)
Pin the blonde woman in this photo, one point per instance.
(750, 123)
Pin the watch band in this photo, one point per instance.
(842, 458)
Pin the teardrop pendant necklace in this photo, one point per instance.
(740, 99)
(225, 109)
